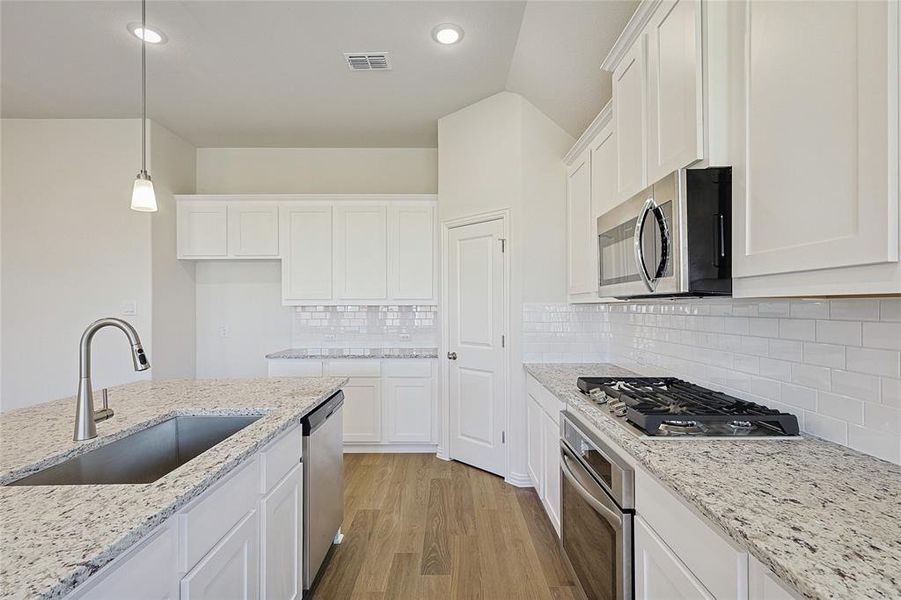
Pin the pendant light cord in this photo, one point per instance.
(144, 87)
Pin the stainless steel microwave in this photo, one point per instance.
(672, 239)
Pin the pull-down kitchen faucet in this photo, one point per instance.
(85, 415)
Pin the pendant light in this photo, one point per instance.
(142, 197)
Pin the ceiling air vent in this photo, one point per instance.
(368, 61)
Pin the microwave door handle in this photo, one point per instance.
(612, 517)
(648, 206)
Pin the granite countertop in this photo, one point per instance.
(325, 353)
(52, 538)
(824, 518)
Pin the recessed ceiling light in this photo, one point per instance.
(148, 34)
(447, 34)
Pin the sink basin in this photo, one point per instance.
(144, 456)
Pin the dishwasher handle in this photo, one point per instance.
(321, 413)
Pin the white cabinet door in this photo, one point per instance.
(408, 405)
(659, 573)
(252, 229)
(202, 229)
(629, 103)
(535, 451)
(675, 125)
(306, 239)
(762, 584)
(603, 176)
(144, 573)
(231, 569)
(815, 174)
(361, 251)
(580, 228)
(362, 410)
(551, 443)
(412, 252)
(282, 524)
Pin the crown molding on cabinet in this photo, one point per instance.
(589, 134)
(284, 197)
(630, 33)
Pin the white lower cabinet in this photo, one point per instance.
(543, 447)
(389, 404)
(240, 539)
(762, 584)
(281, 554)
(146, 572)
(231, 569)
(363, 410)
(658, 571)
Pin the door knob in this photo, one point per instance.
(452, 356)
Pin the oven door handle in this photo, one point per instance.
(611, 516)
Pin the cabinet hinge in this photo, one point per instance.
(503, 437)
(503, 244)
(503, 341)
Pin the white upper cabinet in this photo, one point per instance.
(411, 251)
(361, 252)
(629, 118)
(334, 249)
(580, 228)
(202, 229)
(306, 239)
(603, 175)
(253, 229)
(675, 86)
(815, 147)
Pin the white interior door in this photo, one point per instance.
(476, 376)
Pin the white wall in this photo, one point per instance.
(243, 299)
(72, 251)
(503, 153)
(172, 163)
(316, 170)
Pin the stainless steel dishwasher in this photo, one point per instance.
(323, 483)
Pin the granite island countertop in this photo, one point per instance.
(52, 538)
(824, 518)
(342, 353)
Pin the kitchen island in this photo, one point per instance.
(54, 538)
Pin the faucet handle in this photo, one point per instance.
(106, 412)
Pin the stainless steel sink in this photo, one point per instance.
(144, 456)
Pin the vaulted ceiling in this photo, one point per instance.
(272, 73)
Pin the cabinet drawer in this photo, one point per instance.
(294, 367)
(279, 457)
(721, 567)
(210, 517)
(353, 368)
(550, 404)
(232, 567)
(407, 368)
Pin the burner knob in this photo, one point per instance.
(616, 407)
(620, 411)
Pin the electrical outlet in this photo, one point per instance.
(129, 308)
(329, 337)
(405, 337)
(224, 330)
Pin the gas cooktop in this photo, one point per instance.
(666, 406)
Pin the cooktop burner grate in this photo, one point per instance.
(670, 406)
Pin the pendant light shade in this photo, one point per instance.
(142, 197)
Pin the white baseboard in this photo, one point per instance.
(442, 453)
(519, 480)
(357, 448)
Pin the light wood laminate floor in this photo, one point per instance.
(417, 527)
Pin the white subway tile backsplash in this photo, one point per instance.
(858, 309)
(882, 335)
(797, 329)
(833, 363)
(365, 326)
(839, 332)
(874, 362)
(827, 355)
(840, 407)
(857, 385)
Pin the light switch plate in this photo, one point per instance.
(129, 308)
